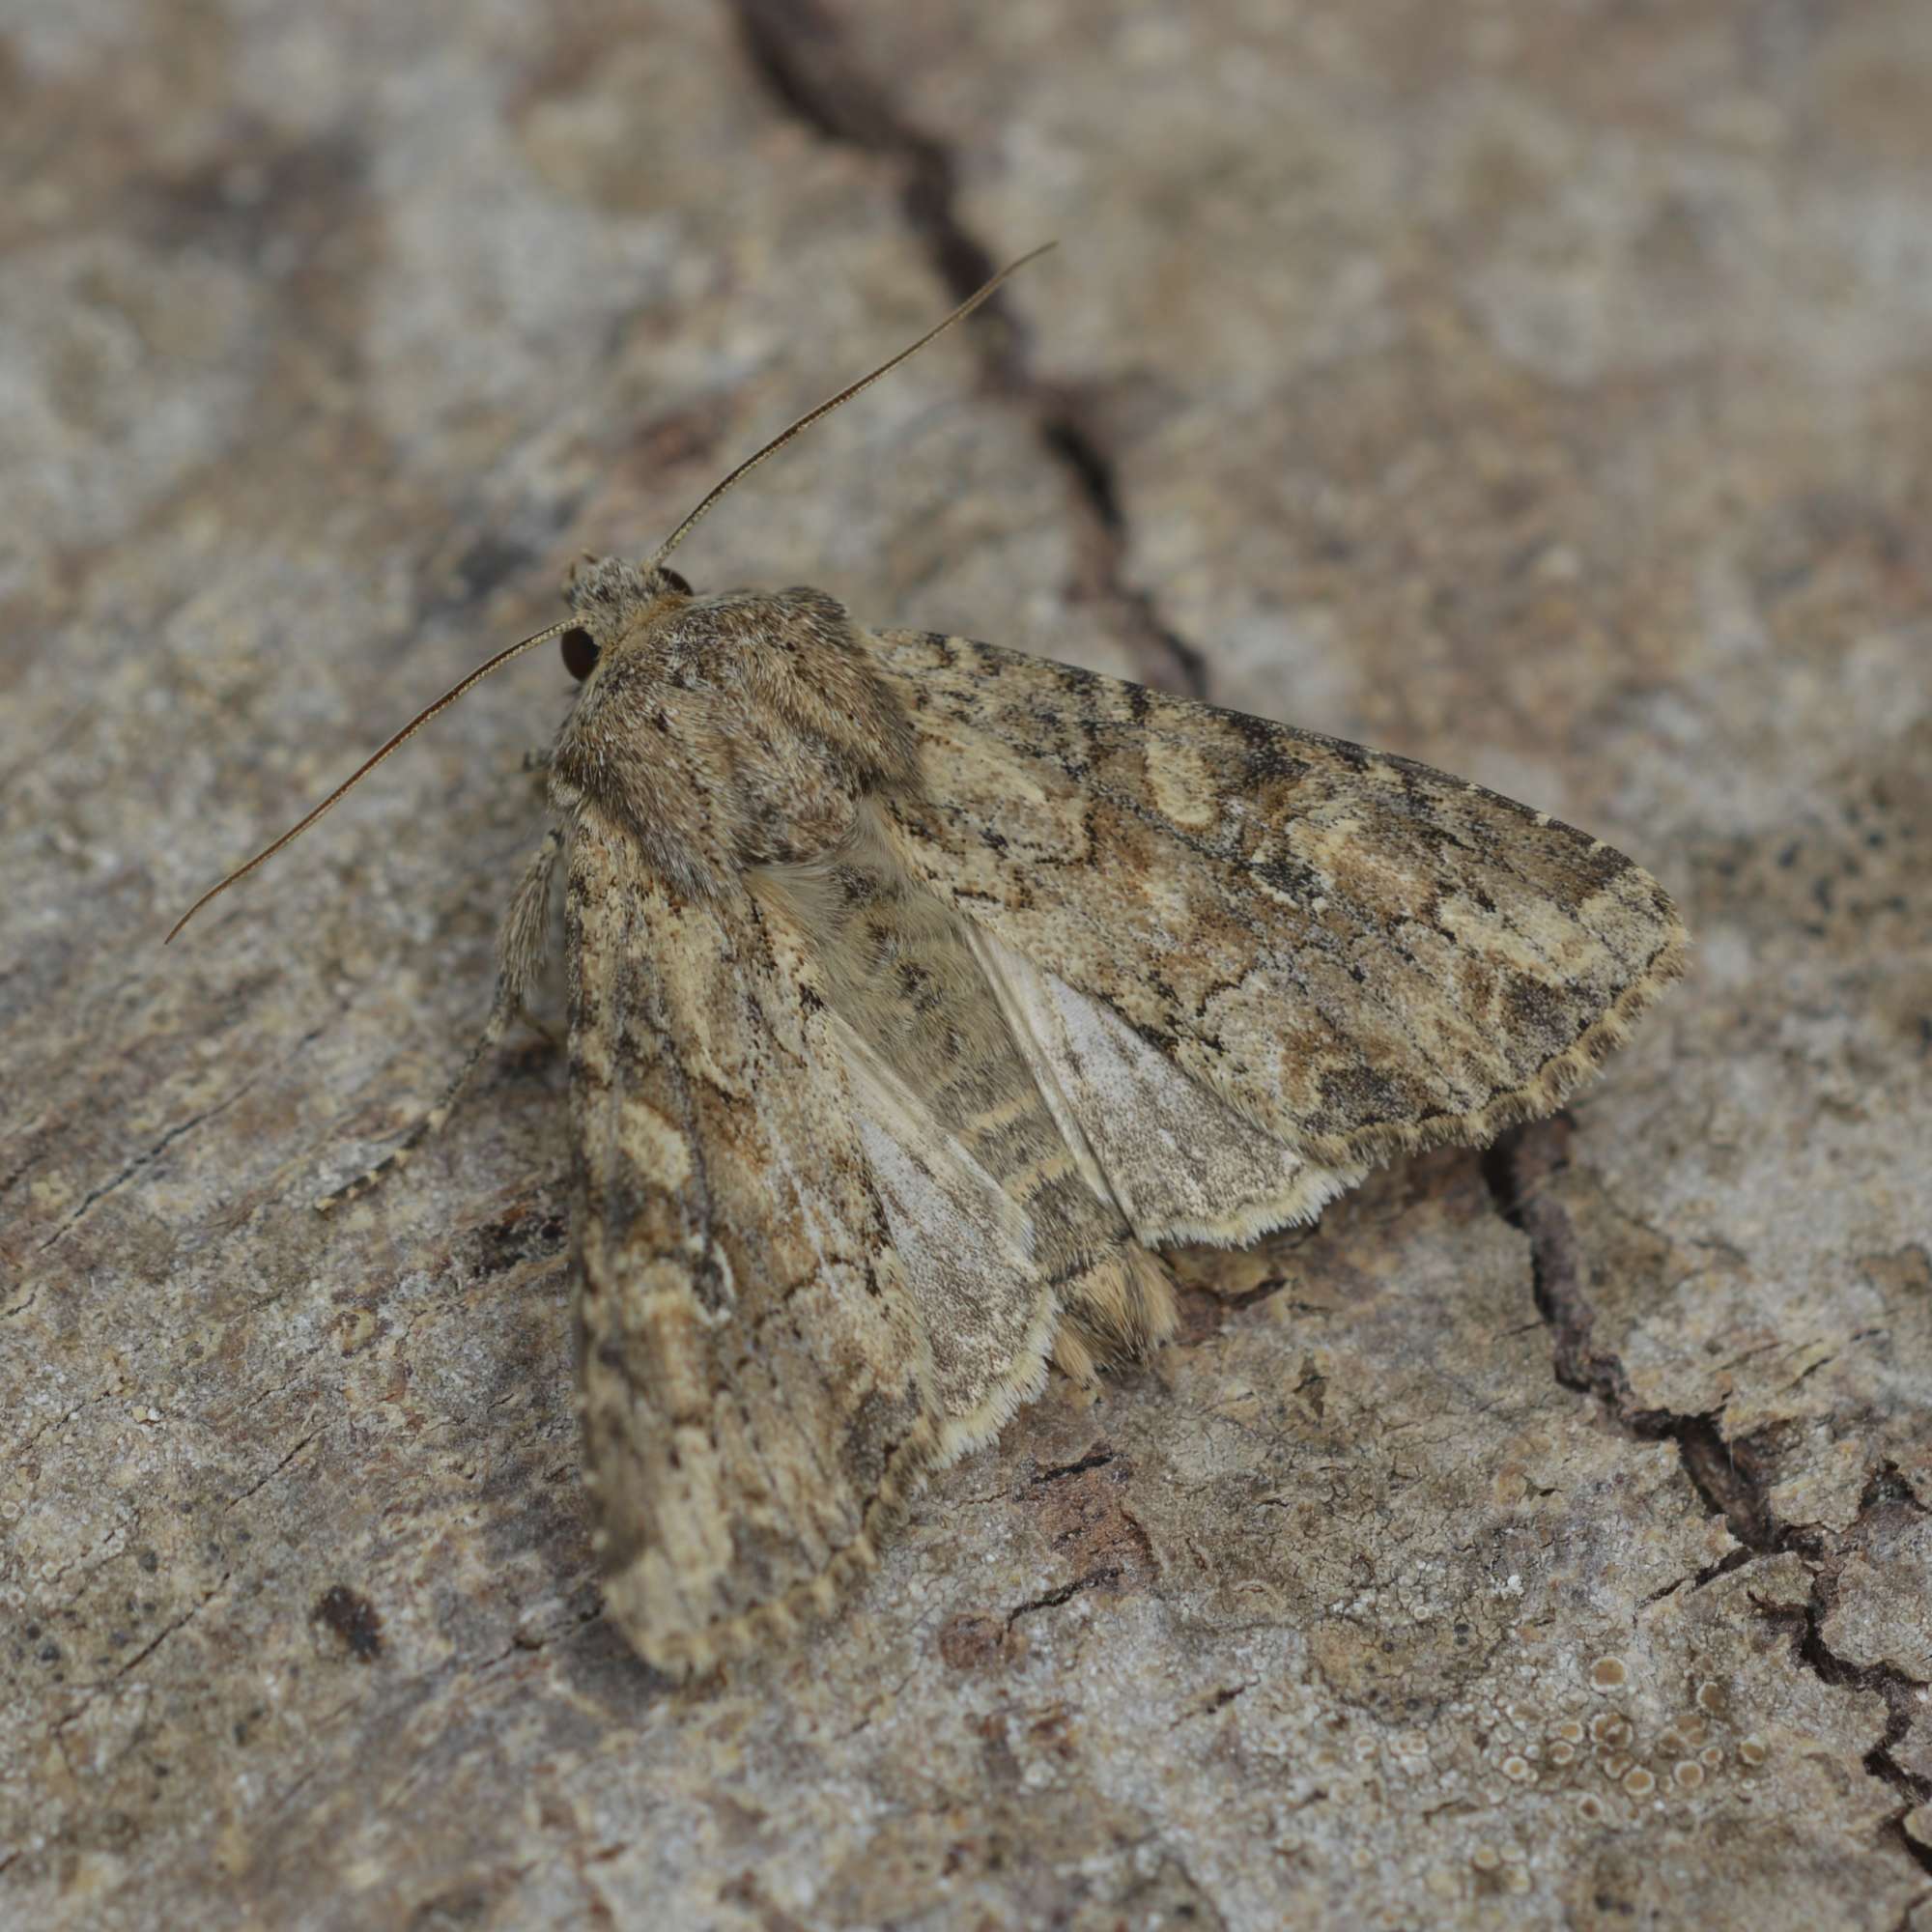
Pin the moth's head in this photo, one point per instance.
(610, 599)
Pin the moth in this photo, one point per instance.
(921, 993)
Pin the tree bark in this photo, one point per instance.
(1538, 392)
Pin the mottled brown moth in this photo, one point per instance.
(921, 992)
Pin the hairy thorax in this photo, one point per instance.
(725, 732)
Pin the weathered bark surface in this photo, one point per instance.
(1545, 392)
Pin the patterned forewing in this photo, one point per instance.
(1359, 954)
(756, 1390)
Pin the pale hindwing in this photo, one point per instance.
(757, 1387)
(968, 1253)
(998, 1233)
(1181, 1163)
(1359, 955)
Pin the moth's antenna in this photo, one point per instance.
(844, 395)
(670, 543)
(368, 765)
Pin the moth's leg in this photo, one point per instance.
(521, 947)
(536, 765)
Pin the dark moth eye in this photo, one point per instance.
(673, 580)
(579, 652)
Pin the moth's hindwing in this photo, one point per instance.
(1182, 1164)
(1356, 953)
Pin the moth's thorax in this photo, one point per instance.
(725, 731)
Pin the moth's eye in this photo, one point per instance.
(675, 581)
(579, 652)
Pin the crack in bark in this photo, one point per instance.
(1899, 1692)
(262, 1480)
(1094, 1579)
(1096, 1458)
(93, 1688)
(804, 58)
(1215, 1702)
(173, 1134)
(135, 1166)
(1726, 1475)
